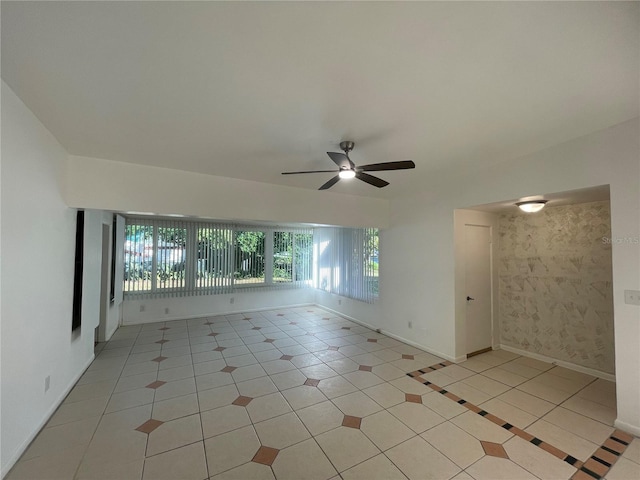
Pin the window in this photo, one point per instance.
(347, 262)
(215, 251)
(138, 258)
(249, 258)
(292, 257)
(183, 258)
(302, 257)
(282, 257)
(170, 255)
(169, 258)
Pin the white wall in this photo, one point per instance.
(418, 248)
(92, 270)
(38, 239)
(117, 186)
(112, 311)
(364, 313)
(153, 310)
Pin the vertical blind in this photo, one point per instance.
(183, 258)
(346, 262)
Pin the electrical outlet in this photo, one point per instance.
(232, 300)
(410, 324)
(142, 308)
(47, 383)
(166, 310)
(632, 297)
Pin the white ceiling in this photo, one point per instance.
(249, 90)
(583, 195)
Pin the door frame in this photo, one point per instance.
(463, 217)
(105, 277)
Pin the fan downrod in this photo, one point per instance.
(346, 146)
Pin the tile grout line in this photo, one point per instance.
(204, 447)
(579, 465)
(592, 467)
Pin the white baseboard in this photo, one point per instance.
(23, 447)
(355, 320)
(627, 427)
(108, 335)
(426, 349)
(560, 363)
(397, 337)
(206, 315)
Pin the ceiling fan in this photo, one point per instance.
(348, 169)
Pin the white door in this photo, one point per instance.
(478, 284)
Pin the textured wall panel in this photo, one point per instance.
(556, 296)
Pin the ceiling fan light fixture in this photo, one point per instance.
(347, 174)
(348, 170)
(532, 206)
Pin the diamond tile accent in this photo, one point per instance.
(242, 401)
(318, 414)
(265, 455)
(219, 349)
(351, 422)
(156, 384)
(410, 397)
(149, 426)
(281, 315)
(494, 449)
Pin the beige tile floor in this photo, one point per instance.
(300, 393)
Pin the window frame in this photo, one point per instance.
(191, 257)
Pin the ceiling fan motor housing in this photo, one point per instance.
(347, 146)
